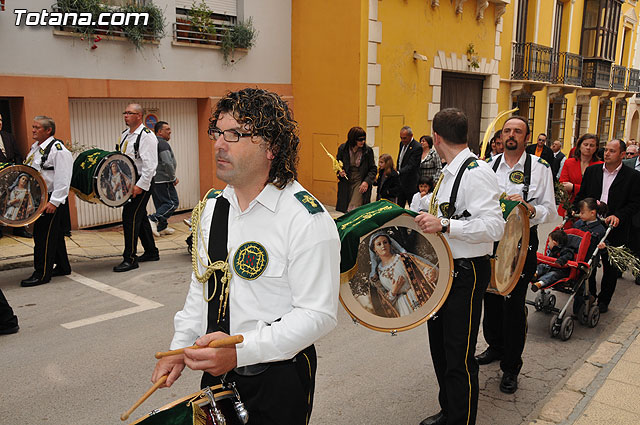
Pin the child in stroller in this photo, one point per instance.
(558, 248)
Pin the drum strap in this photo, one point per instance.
(527, 176)
(45, 154)
(454, 192)
(136, 145)
(218, 310)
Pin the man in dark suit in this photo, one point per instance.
(541, 149)
(558, 158)
(633, 162)
(408, 162)
(619, 187)
(9, 153)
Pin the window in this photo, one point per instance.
(621, 115)
(557, 30)
(218, 7)
(600, 28)
(604, 120)
(521, 25)
(526, 104)
(577, 123)
(557, 115)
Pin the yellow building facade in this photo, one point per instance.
(570, 66)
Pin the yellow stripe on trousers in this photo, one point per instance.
(46, 244)
(309, 397)
(466, 357)
(133, 228)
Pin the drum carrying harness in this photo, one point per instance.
(45, 154)
(136, 145)
(451, 208)
(527, 175)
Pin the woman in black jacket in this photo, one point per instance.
(388, 181)
(358, 173)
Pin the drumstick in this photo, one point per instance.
(146, 395)
(224, 342)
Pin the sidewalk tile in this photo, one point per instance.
(633, 352)
(626, 372)
(623, 332)
(560, 406)
(604, 353)
(601, 414)
(620, 395)
(581, 378)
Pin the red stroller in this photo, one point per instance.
(575, 284)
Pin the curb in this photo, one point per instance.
(569, 402)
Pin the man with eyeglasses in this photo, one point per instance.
(631, 152)
(267, 269)
(540, 149)
(139, 143)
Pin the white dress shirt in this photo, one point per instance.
(299, 285)
(478, 194)
(541, 191)
(147, 160)
(607, 179)
(58, 179)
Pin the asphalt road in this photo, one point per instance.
(84, 354)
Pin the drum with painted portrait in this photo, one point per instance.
(23, 195)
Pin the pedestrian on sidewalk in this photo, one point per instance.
(139, 143)
(163, 193)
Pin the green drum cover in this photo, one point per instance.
(180, 414)
(507, 206)
(84, 168)
(4, 165)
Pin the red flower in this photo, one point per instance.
(94, 47)
(98, 38)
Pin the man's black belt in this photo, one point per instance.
(258, 368)
(465, 263)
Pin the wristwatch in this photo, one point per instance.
(445, 224)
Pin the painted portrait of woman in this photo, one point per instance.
(19, 202)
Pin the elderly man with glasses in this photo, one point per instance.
(139, 143)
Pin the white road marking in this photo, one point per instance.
(142, 304)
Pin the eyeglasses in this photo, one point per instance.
(541, 139)
(230, 135)
(130, 113)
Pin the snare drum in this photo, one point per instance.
(23, 195)
(103, 177)
(211, 406)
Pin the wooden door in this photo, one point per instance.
(464, 91)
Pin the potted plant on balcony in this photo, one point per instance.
(202, 22)
(153, 31)
(242, 35)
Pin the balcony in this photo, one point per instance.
(618, 77)
(532, 62)
(596, 73)
(569, 69)
(185, 32)
(634, 80)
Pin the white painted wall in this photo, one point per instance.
(36, 51)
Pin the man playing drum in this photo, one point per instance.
(471, 220)
(54, 162)
(528, 179)
(139, 143)
(270, 268)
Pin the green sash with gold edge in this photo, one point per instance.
(360, 221)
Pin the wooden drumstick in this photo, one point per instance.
(146, 395)
(224, 342)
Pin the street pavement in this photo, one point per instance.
(84, 353)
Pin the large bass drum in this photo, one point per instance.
(103, 177)
(393, 276)
(511, 253)
(211, 406)
(23, 195)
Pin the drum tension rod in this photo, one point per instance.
(219, 417)
(394, 332)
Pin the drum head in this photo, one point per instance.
(23, 195)
(114, 179)
(511, 253)
(400, 279)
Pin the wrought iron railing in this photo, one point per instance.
(531, 62)
(618, 77)
(569, 69)
(634, 80)
(596, 73)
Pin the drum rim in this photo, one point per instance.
(521, 210)
(44, 194)
(352, 306)
(99, 170)
(195, 395)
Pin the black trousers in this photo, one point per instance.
(610, 275)
(49, 246)
(7, 317)
(505, 322)
(452, 339)
(283, 394)
(135, 224)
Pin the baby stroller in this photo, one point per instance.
(575, 284)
